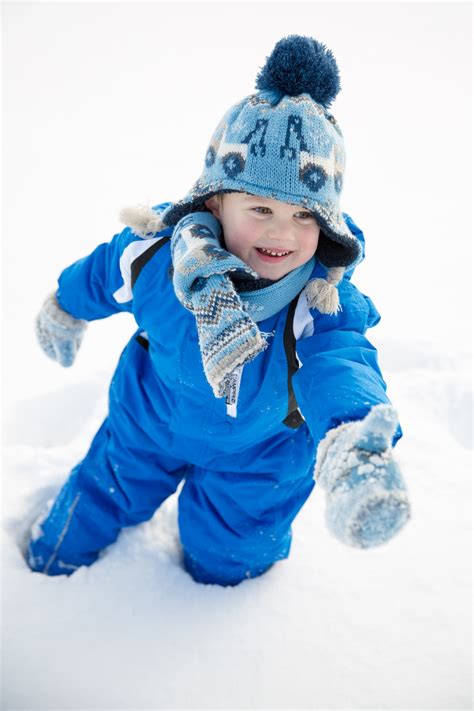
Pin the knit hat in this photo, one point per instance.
(281, 142)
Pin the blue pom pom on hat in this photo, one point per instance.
(281, 142)
(300, 65)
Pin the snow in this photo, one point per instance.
(88, 130)
(331, 627)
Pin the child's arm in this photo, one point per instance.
(341, 394)
(92, 288)
(86, 288)
(339, 379)
(98, 285)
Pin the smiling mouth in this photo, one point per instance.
(272, 252)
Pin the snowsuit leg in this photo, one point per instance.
(116, 485)
(236, 524)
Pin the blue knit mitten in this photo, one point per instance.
(59, 334)
(366, 498)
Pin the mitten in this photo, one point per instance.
(366, 498)
(59, 334)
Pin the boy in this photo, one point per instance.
(250, 366)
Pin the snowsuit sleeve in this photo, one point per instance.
(339, 378)
(100, 284)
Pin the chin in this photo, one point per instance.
(272, 274)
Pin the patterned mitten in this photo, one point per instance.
(59, 334)
(366, 498)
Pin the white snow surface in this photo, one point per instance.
(331, 627)
(89, 129)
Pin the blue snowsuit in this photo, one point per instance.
(248, 464)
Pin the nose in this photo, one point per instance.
(280, 231)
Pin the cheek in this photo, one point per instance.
(311, 243)
(239, 237)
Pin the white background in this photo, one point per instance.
(112, 104)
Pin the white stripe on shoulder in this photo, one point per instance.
(130, 253)
(303, 323)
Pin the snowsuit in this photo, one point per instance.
(247, 464)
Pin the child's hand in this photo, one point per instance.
(367, 501)
(59, 334)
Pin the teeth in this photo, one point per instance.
(273, 254)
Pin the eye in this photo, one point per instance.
(306, 216)
(262, 210)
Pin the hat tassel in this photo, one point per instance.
(141, 219)
(322, 294)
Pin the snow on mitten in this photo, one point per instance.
(59, 334)
(366, 498)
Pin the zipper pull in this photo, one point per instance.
(232, 390)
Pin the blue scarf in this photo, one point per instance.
(226, 320)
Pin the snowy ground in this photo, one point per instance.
(110, 104)
(331, 627)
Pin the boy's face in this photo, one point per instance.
(255, 226)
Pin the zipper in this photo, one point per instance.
(233, 381)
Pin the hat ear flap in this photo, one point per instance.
(322, 294)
